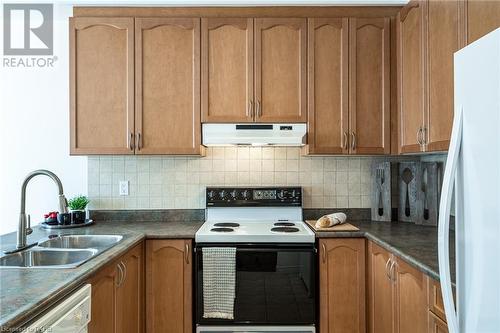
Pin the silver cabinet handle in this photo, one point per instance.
(258, 113)
(250, 109)
(387, 268)
(323, 254)
(124, 272)
(120, 275)
(391, 271)
(186, 254)
(353, 141)
(131, 141)
(419, 135)
(345, 138)
(424, 135)
(139, 141)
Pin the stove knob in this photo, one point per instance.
(211, 194)
(234, 194)
(281, 194)
(246, 194)
(222, 194)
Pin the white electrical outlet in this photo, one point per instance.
(124, 187)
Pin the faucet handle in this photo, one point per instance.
(28, 227)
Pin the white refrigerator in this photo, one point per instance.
(473, 173)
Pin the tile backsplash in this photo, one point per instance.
(166, 182)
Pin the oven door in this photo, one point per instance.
(275, 285)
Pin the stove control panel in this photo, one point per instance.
(253, 196)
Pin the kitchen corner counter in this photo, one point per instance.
(25, 293)
(416, 244)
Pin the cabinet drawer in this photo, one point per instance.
(436, 325)
(436, 304)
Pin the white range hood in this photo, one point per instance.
(254, 134)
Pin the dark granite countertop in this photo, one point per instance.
(25, 293)
(416, 244)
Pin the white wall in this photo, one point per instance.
(34, 132)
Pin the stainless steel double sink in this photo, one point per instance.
(65, 251)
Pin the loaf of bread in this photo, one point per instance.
(330, 220)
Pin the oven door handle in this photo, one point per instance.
(260, 249)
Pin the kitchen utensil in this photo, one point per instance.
(380, 182)
(407, 177)
(424, 191)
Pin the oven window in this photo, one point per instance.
(273, 286)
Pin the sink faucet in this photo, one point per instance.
(24, 220)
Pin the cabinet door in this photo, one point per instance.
(369, 85)
(168, 86)
(129, 295)
(227, 69)
(380, 290)
(328, 86)
(280, 69)
(436, 325)
(410, 76)
(103, 300)
(101, 85)
(443, 39)
(411, 299)
(483, 16)
(342, 285)
(168, 286)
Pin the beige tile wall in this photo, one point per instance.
(179, 182)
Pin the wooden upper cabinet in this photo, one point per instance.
(369, 85)
(280, 69)
(130, 293)
(411, 299)
(380, 287)
(411, 81)
(483, 16)
(167, 113)
(342, 285)
(169, 286)
(328, 113)
(444, 38)
(101, 85)
(227, 69)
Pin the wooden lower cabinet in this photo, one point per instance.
(436, 325)
(130, 293)
(397, 294)
(380, 290)
(169, 286)
(117, 295)
(342, 285)
(410, 298)
(103, 301)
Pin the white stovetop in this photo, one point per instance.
(258, 231)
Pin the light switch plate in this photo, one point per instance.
(123, 187)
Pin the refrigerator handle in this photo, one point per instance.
(444, 221)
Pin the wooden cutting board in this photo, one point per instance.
(338, 227)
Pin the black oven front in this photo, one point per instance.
(275, 285)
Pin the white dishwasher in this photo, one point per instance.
(72, 315)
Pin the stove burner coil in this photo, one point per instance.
(227, 224)
(285, 229)
(222, 229)
(284, 224)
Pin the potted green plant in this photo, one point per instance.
(77, 205)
